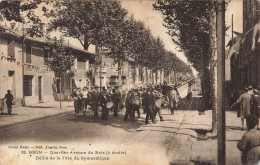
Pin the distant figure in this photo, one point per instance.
(85, 99)
(116, 98)
(148, 97)
(76, 95)
(94, 100)
(104, 98)
(9, 101)
(129, 103)
(157, 102)
(174, 99)
(249, 145)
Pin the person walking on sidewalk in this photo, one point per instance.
(249, 145)
(9, 101)
(245, 100)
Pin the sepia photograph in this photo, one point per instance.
(129, 82)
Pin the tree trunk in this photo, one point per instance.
(60, 88)
(86, 43)
(213, 68)
(202, 108)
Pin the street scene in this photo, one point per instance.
(129, 82)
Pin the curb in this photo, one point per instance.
(35, 119)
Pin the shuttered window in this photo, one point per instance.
(11, 48)
(27, 89)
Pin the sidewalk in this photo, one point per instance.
(34, 112)
(205, 151)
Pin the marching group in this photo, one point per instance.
(113, 99)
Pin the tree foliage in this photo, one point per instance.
(60, 58)
(88, 21)
(188, 24)
(97, 22)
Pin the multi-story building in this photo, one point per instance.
(244, 54)
(24, 71)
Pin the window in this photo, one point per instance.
(28, 53)
(27, 89)
(11, 48)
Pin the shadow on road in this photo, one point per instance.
(117, 122)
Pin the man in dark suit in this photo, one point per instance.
(94, 97)
(148, 101)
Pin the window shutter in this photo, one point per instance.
(11, 49)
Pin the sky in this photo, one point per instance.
(143, 11)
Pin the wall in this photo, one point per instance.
(37, 68)
(11, 82)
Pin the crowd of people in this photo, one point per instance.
(113, 99)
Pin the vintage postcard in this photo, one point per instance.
(129, 82)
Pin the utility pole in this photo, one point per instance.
(221, 82)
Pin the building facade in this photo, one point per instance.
(24, 70)
(243, 57)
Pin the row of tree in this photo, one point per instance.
(192, 25)
(97, 22)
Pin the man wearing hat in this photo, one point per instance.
(245, 101)
(173, 99)
(115, 97)
(94, 98)
(157, 102)
(85, 99)
(76, 95)
(129, 105)
(148, 105)
(103, 101)
(9, 101)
